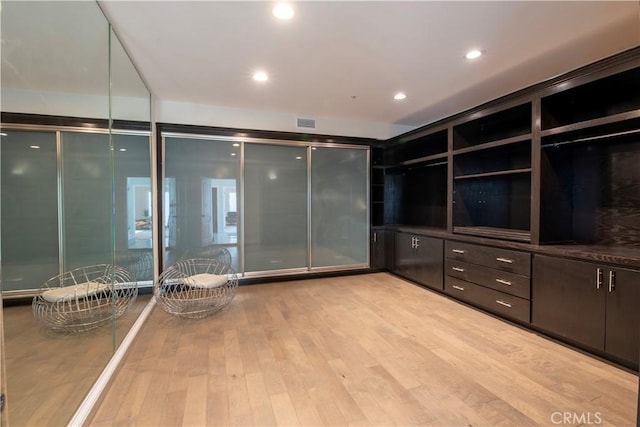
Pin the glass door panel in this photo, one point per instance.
(339, 207)
(275, 207)
(29, 209)
(200, 206)
(133, 205)
(86, 199)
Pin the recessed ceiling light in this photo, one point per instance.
(399, 96)
(235, 144)
(260, 76)
(4, 134)
(35, 147)
(474, 54)
(283, 11)
(233, 154)
(298, 157)
(123, 149)
(314, 148)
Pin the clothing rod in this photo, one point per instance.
(591, 138)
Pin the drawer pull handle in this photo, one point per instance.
(457, 251)
(506, 304)
(504, 282)
(507, 260)
(460, 288)
(461, 270)
(599, 278)
(612, 280)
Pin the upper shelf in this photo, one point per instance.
(424, 148)
(503, 126)
(608, 97)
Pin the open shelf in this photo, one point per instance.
(609, 96)
(501, 159)
(590, 191)
(493, 202)
(417, 195)
(419, 149)
(502, 125)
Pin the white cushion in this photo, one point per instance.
(207, 280)
(70, 293)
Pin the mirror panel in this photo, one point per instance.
(58, 184)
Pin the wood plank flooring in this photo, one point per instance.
(48, 373)
(366, 350)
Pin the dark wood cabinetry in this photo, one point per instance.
(589, 304)
(553, 172)
(492, 278)
(419, 258)
(416, 180)
(492, 175)
(377, 253)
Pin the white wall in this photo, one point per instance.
(73, 104)
(211, 115)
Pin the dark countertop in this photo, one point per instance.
(620, 256)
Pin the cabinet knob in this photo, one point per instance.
(461, 270)
(460, 288)
(506, 304)
(457, 251)
(505, 260)
(504, 282)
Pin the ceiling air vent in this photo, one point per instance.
(306, 123)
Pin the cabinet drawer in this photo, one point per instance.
(498, 302)
(502, 259)
(513, 284)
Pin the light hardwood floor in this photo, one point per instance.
(368, 350)
(48, 373)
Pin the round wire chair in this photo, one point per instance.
(195, 288)
(85, 298)
(138, 261)
(218, 253)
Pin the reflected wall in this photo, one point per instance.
(75, 178)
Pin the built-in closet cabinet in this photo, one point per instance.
(588, 303)
(492, 174)
(551, 173)
(419, 258)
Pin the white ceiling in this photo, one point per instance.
(347, 59)
(335, 59)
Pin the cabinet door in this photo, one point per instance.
(623, 317)
(420, 259)
(406, 256)
(566, 300)
(430, 270)
(377, 248)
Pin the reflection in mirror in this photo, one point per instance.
(57, 188)
(201, 210)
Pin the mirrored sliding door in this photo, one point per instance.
(339, 207)
(200, 200)
(30, 245)
(275, 201)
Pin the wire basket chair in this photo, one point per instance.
(196, 288)
(218, 253)
(138, 261)
(85, 298)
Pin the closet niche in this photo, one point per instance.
(75, 138)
